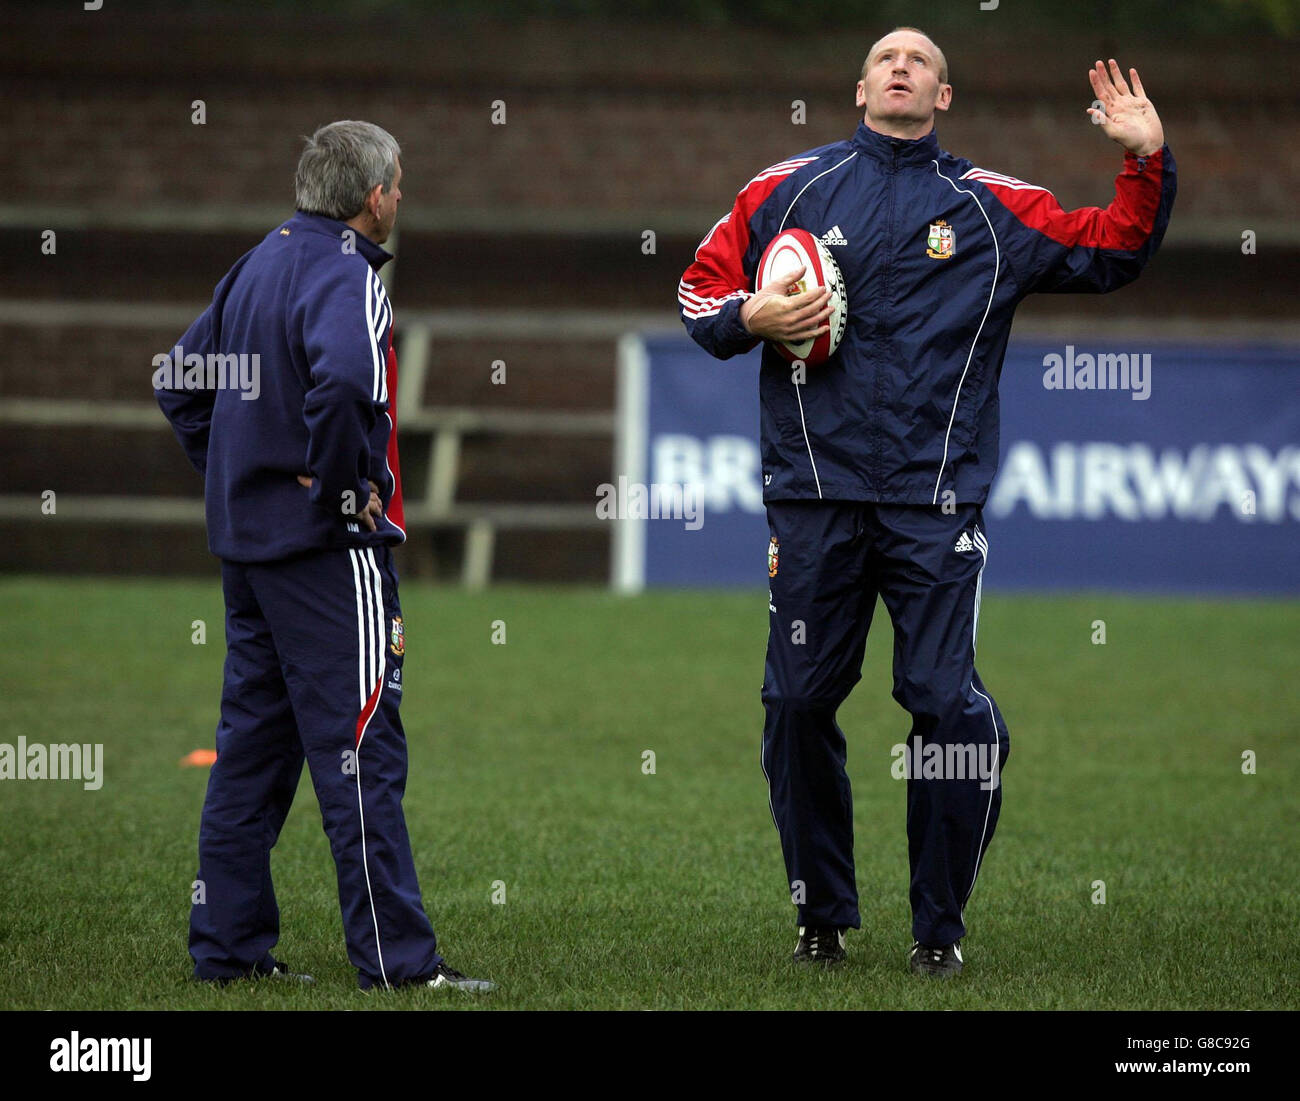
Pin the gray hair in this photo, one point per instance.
(340, 166)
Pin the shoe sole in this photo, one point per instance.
(265, 976)
(474, 986)
(936, 973)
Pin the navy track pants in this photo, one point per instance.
(827, 562)
(315, 647)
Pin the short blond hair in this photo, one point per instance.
(943, 61)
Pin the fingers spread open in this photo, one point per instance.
(1101, 85)
(1117, 75)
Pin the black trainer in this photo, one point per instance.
(449, 977)
(277, 970)
(820, 944)
(944, 962)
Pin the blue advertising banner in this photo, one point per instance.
(1125, 465)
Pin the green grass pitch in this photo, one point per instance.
(632, 891)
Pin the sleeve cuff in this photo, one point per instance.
(733, 330)
(1140, 162)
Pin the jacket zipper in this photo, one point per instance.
(887, 289)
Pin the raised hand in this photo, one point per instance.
(1125, 116)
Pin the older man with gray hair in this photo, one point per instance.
(304, 504)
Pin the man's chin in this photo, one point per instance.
(902, 116)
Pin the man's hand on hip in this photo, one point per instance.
(1125, 116)
(774, 313)
(373, 511)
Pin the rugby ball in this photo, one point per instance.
(789, 251)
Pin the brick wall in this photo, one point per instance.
(606, 123)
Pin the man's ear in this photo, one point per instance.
(373, 199)
(860, 99)
(945, 97)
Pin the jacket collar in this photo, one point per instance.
(896, 152)
(376, 255)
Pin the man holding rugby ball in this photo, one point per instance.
(877, 462)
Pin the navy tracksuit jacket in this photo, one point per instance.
(876, 468)
(314, 632)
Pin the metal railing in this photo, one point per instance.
(445, 427)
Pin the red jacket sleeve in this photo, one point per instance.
(1090, 249)
(721, 277)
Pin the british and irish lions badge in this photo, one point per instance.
(941, 241)
(773, 556)
(397, 637)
